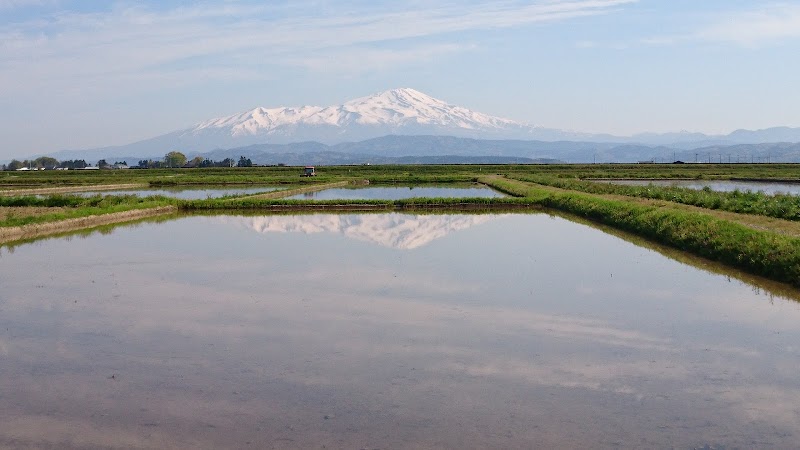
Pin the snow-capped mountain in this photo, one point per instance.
(401, 113)
(397, 111)
(404, 112)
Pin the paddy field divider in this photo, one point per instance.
(69, 189)
(760, 252)
(302, 190)
(34, 230)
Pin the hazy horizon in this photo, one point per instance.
(78, 76)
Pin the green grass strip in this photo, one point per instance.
(77, 206)
(759, 252)
(262, 203)
(779, 206)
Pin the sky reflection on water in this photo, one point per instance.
(185, 193)
(515, 330)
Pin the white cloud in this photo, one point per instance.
(92, 48)
(769, 24)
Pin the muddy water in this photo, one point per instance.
(397, 193)
(719, 185)
(386, 331)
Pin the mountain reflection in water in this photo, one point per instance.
(393, 230)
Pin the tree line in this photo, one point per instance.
(171, 160)
(45, 162)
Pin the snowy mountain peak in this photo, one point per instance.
(396, 98)
(397, 111)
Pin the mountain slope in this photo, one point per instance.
(407, 112)
(398, 111)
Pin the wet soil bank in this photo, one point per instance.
(8, 234)
(69, 189)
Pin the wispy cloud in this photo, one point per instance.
(126, 42)
(768, 24)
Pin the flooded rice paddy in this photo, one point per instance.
(770, 188)
(386, 331)
(185, 193)
(399, 192)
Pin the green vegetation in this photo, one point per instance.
(174, 159)
(409, 203)
(71, 207)
(779, 206)
(764, 241)
(399, 174)
(758, 251)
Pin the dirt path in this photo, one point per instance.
(68, 189)
(27, 211)
(8, 234)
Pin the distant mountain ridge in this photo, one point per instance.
(396, 116)
(453, 150)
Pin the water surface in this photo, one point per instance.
(770, 188)
(185, 193)
(386, 331)
(397, 193)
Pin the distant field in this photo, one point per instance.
(393, 174)
(755, 232)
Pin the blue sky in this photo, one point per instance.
(80, 74)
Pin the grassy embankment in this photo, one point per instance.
(779, 206)
(30, 216)
(71, 207)
(760, 252)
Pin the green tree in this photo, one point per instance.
(103, 164)
(197, 161)
(174, 159)
(15, 164)
(46, 162)
(244, 162)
